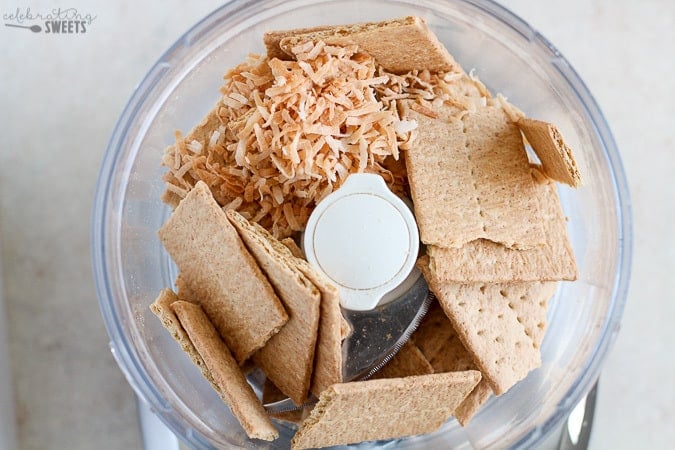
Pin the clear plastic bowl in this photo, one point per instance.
(510, 57)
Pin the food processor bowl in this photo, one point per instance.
(131, 267)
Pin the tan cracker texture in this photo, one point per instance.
(161, 307)
(288, 357)
(408, 361)
(383, 409)
(556, 157)
(389, 42)
(440, 345)
(488, 328)
(487, 261)
(241, 303)
(470, 179)
(235, 390)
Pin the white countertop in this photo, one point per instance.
(61, 95)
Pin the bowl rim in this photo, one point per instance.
(122, 349)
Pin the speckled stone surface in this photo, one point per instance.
(61, 95)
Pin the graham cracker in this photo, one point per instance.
(288, 357)
(488, 328)
(530, 302)
(408, 361)
(398, 45)
(219, 270)
(487, 261)
(470, 179)
(184, 293)
(556, 157)
(161, 307)
(439, 344)
(473, 402)
(293, 247)
(383, 409)
(233, 387)
(333, 327)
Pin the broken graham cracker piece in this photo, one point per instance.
(473, 402)
(408, 361)
(293, 247)
(183, 290)
(488, 328)
(161, 307)
(240, 303)
(502, 350)
(234, 388)
(470, 179)
(398, 45)
(333, 328)
(439, 344)
(556, 157)
(486, 261)
(288, 357)
(383, 409)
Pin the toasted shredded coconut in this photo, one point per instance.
(294, 130)
(214, 138)
(194, 146)
(234, 204)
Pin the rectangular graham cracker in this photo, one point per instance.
(161, 307)
(488, 327)
(234, 388)
(298, 253)
(470, 179)
(183, 292)
(293, 247)
(288, 357)
(408, 361)
(473, 402)
(219, 270)
(398, 45)
(333, 328)
(383, 409)
(487, 261)
(439, 344)
(556, 157)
